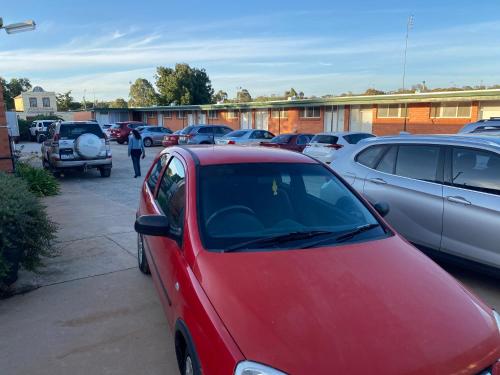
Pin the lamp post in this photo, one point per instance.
(409, 26)
(15, 28)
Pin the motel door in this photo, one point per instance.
(261, 119)
(334, 119)
(489, 109)
(246, 120)
(191, 119)
(361, 119)
(202, 118)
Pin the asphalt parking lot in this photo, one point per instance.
(93, 311)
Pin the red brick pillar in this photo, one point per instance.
(5, 154)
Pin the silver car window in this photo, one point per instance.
(419, 162)
(476, 170)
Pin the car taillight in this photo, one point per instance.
(335, 146)
(231, 142)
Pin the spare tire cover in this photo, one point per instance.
(88, 146)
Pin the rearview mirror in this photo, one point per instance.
(152, 225)
(382, 208)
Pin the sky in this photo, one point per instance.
(96, 48)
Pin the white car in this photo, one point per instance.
(326, 147)
(38, 128)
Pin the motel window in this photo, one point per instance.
(310, 112)
(451, 110)
(391, 111)
(46, 102)
(167, 114)
(33, 103)
(276, 113)
(181, 114)
(151, 115)
(212, 115)
(231, 115)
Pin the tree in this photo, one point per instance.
(372, 91)
(14, 88)
(220, 96)
(64, 101)
(243, 96)
(183, 85)
(118, 103)
(142, 94)
(291, 93)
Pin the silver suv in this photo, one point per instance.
(482, 126)
(443, 191)
(76, 145)
(203, 134)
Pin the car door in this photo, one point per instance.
(166, 253)
(409, 178)
(471, 219)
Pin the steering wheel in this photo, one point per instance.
(227, 209)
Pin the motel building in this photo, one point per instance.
(420, 113)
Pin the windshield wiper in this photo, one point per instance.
(272, 240)
(355, 232)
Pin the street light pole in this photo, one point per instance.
(15, 28)
(409, 26)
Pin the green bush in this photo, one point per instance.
(24, 130)
(40, 182)
(26, 232)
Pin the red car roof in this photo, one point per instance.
(210, 155)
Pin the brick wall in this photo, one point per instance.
(419, 121)
(5, 164)
(174, 123)
(83, 116)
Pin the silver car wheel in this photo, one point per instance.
(188, 366)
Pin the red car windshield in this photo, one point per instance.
(247, 202)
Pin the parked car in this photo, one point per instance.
(482, 126)
(292, 142)
(203, 134)
(247, 137)
(261, 271)
(171, 139)
(121, 130)
(38, 128)
(153, 135)
(76, 145)
(444, 191)
(106, 128)
(326, 147)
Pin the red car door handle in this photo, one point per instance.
(458, 200)
(377, 181)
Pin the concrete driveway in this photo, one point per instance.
(94, 312)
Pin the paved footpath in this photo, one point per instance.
(94, 312)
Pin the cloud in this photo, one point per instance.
(264, 64)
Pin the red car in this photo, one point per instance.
(267, 262)
(171, 139)
(120, 131)
(292, 142)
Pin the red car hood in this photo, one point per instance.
(377, 307)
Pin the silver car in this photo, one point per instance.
(153, 135)
(482, 126)
(76, 145)
(250, 137)
(443, 191)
